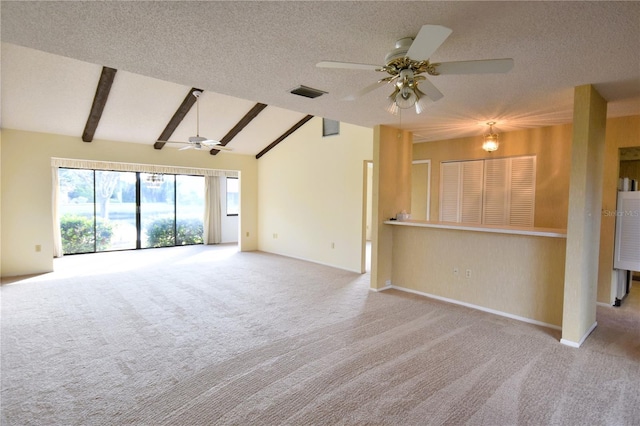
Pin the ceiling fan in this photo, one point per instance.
(197, 141)
(406, 63)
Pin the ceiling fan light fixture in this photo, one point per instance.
(406, 97)
(490, 142)
(422, 101)
(392, 107)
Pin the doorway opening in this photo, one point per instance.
(627, 250)
(367, 215)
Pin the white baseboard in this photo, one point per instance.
(569, 343)
(313, 261)
(578, 344)
(378, 290)
(387, 286)
(608, 305)
(479, 308)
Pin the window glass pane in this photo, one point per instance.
(189, 209)
(233, 198)
(115, 210)
(76, 209)
(157, 210)
(102, 210)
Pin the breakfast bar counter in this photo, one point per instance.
(512, 271)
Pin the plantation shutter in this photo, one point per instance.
(496, 195)
(522, 191)
(471, 202)
(450, 192)
(492, 192)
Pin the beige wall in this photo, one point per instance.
(392, 152)
(419, 192)
(585, 203)
(552, 147)
(311, 195)
(519, 275)
(26, 189)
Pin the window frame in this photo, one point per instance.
(227, 196)
(139, 202)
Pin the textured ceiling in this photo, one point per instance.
(241, 53)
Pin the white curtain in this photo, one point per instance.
(55, 192)
(212, 210)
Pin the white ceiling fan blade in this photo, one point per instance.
(210, 142)
(487, 66)
(430, 90)
(429, 38)
(185, 147)
(365, 90)
(220, 148)
(347, 65)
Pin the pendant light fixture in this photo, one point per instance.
(490, 143)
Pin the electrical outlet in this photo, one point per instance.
(275, 236)
(467, 273)
(38, 248)
(456, 271)
(247, 233)
(333, 245)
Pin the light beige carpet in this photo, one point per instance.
(210, 336)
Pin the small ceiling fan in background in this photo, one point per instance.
(197, 141)
(406, 63)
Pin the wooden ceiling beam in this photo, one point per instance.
(253, 113)
(177, 118)
(284, 136)
(99, 101)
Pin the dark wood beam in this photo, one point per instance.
(284, 136)
(253, 113)
(99, 101)
(177, 118)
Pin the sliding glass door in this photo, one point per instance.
(116, 209)
(108, 210)
(189, 209)
(76, 209)
(157, 210)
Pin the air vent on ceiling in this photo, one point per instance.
(307, 92)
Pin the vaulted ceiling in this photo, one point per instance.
(242, 54)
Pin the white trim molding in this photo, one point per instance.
(379, 290)
(578, 344)
(479, 308)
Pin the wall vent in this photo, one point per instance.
(307, 92)
(330, 127)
